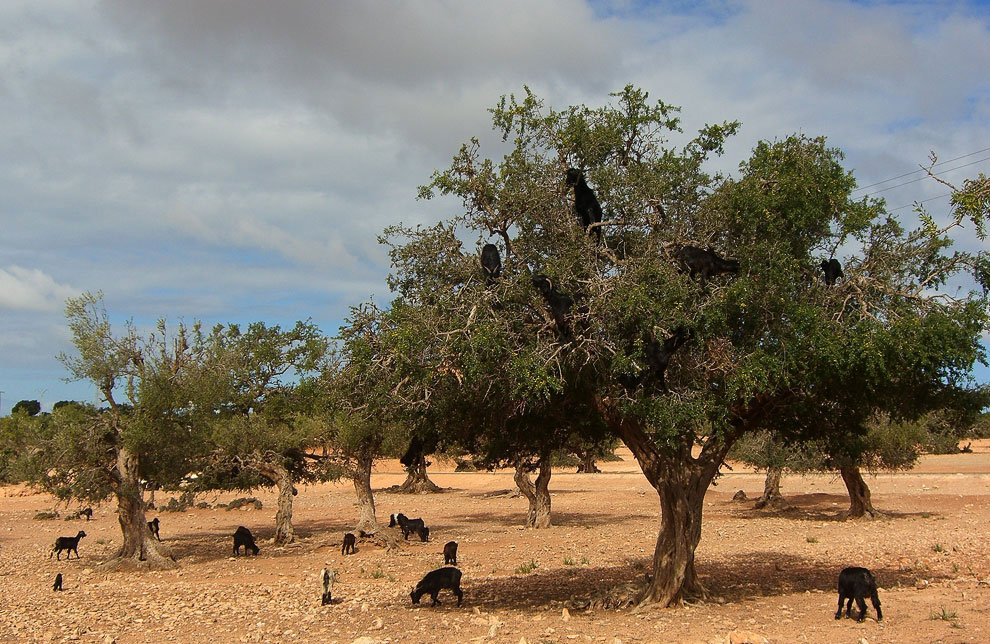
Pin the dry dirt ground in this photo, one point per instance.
(772, 575)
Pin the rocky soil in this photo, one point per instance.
(772, 575)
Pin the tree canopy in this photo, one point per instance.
(580, 322)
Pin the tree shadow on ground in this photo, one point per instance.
(767, 574)
(219, 543)
(559, 519)
(811, 507)
(738, 578)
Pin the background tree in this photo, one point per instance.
(259, 423)
(91, 454)
(360, 407)
(765, 341)
(29, 407)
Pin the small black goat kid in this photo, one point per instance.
(858, 584)
(58, 582)
(348, 547)
(243, 537)
(450, 553)
(706, 263)
(66, 543)
(153, 526)
(491, 263)
(437, 580)
(833, 271)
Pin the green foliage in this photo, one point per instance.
(527, 568)
(28, 407)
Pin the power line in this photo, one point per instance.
(958, 167)
(948, 194)
(907, 174)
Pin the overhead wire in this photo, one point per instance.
(907, 174)
(958, 167)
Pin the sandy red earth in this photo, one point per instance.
(772, 575)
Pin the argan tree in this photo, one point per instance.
(260, 422)
(154, 390)
(576, 313)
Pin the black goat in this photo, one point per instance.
(437, 580)
(327, 577)
(450, 553)
(657, 358)
(58, 582)
(706, 263)
(858, 584)
(66, 543)
(397, 520)
(348, 547)
(560, 303)
(833, 271)
(243, 537)
(153, 526)
(589, 211)
(491, 263)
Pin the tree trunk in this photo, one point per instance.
(681, 481)
(367, 522)
(538, 495)
(860, 504)
(281, 478)
(417, 480)
(772, 497)
(587, 465)
(139, 548)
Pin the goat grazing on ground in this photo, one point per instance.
(491, 263)
(327, 579)
(243, 537)
(58, 582)
(437, 580)
(858, 584)
(706, 263)
(348, 547)
(397, 520)
(417, 526)
(450, 553)
(85, 512)
(833, 271)
(66, 543)
(586, 205)
(153, 526)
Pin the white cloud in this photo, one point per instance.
(235, 159)
(25, 289)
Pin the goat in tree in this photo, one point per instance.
(589, 211)
(706, 263)
(833, 271)
(560, 303)
(491, 263)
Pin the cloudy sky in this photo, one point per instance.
(234, 160)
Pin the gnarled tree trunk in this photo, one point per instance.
(361, 476)
(681, 480)
(139, 548)
(281, 478)
(587, 464)
(772, 497)
(417, 480)
(538, 494)
(860, 504)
